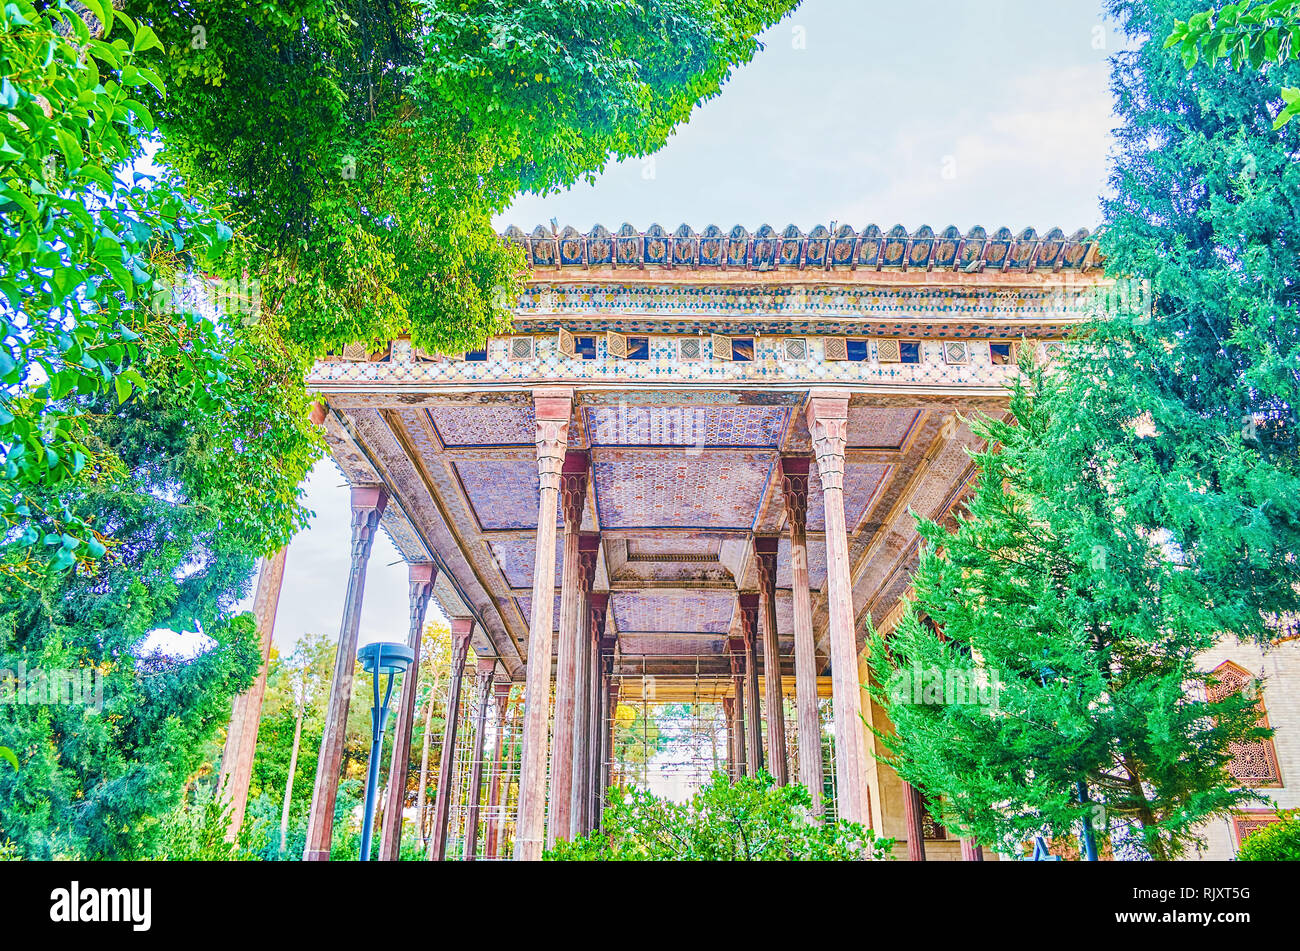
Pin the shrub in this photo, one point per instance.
(752, 819)
(1275, 842)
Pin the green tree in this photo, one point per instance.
(1033, 660)
(96, 782)
(1254, 32)
(750, 820)
(1144, 507)
(95, 256)
(387, 135)
(1275, 842)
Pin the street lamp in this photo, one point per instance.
(379, 659)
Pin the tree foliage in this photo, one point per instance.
(752, 819)
(387, 135)
(1145, 506)
(91, 250)
(1276, 842)
(1062, 650)
(1254, 32)
(97, 782)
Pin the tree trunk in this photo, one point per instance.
(288, 786)
(420, 797)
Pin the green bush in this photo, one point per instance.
(752, 819)
(1275, 842)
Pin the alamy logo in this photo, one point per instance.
(77, 904)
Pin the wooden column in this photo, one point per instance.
(729, 714)
(552, 409)
(736, 646)
(753, 725)
(246, 710)
(778, 763)
(579, 799)
(421, 577)
(368, 502)
(794, 488)
(573, 496)
(486, 667)
(913, 813)
(614, 688)
(605, 714)
(595, 703)
(461, 627)
(971, 851)
(828, 425)
(496, 802)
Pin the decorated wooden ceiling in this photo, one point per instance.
(680, 483)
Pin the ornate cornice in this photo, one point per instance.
(819, 250)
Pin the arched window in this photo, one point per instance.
(1253, 763)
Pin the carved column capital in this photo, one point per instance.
(598, 603)
(461, 629)
(765, 547)
(368, 504)
(748, 618)
(421, 576)
(552, 409)
(501, 693)
(794, 489)
(484, 671)
(736, 655)
(588, 552)
(573, 487)
(828, 425)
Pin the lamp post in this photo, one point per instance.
(379, 659)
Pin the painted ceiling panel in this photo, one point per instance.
(706, 612)
(703, 426)
(500, 424)
(877, 428)
(861, 480)
(639, 488)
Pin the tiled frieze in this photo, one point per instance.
(771, 364)
(798, 304)
(643, 548)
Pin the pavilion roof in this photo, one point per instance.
(826, 249)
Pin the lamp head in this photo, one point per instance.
(386, 657)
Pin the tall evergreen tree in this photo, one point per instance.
(1145, 506)
(100, 769)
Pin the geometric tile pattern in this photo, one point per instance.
(705, 612)
(651, 488)
(816, 563)
(525, 603)
(500, 424)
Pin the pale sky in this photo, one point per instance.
(963, 112)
